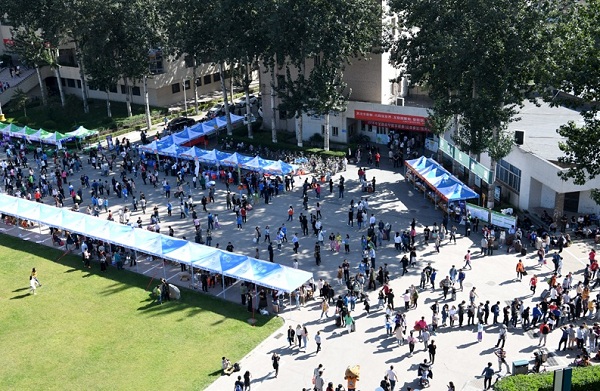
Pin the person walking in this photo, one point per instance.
(468, 260)
(502, 336)
(318, 341)
(501, 354)
(487, 374)
(411, 343)
(392, 377)
(533, 284)
(247, 377)
(34, 277)
(290, 336)
(275, 358)
(431, 348)
(520, 269)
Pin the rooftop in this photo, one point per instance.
(540, 124)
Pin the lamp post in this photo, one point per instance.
(184, 97)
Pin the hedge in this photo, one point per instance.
(583, 379)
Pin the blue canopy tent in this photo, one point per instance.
(235, 160)
(172, 150)
(237, 266)
(279, 168)
(256, 164)
(436, 177)
(193, 153)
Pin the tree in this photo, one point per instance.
(479, 60)
(328, 33)
(21, 99)
(574, 68)
(33, 52)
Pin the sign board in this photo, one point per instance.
(497, 193)
(403, 119)
(502, 220)
(462, 158)
(481, 171)
(478, 211)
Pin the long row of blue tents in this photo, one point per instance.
(172, 146)
(440, 180)
(241, 267)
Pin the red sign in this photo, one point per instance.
(8, 42)
(390, 118)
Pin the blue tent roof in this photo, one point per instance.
(438, 178)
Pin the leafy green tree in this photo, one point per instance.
(20, 98)
(33, 52)
(327, 36)
(479, 60)
(575, 69)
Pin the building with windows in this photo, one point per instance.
(171, 78)
(528, 176)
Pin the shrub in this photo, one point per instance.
(583, 379)
(49, 125)
(23, 120)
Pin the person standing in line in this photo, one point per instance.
(319, 382)
(318, 341)
(392, 377)
(502, 336)
(275, 358)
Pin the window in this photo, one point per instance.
(382, 130)
(187, 84)
(63, 81)
(112, 89)
(280, 81)
(509, 175)
(207, 79)
(71, 83)
(216, 77)
(335, 131)
(317, 59)
(198, 82)
(123, 89)
(78, 83)
(282, 114)
(155, 61)
(369, 128)
(175, 88)
(322, 130)
(136, 91)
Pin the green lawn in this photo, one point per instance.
(83, 330)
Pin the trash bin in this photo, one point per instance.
(520, 367)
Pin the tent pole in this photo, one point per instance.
(136, 263)
(164, 268)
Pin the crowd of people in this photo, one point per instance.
(567, 305)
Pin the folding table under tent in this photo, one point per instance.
(240, 267)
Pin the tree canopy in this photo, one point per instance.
(478, 59)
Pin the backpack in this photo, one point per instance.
(545, 329)
(237, 388)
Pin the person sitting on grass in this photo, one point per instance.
(227, 368)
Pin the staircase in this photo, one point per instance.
(26, 82)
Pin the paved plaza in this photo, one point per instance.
(460, 357)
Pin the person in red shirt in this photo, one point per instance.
(533, 284)
(377, 159)
(592, 256)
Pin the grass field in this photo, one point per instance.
(83, 330)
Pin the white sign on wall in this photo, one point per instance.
(477, 211)
(502, 220)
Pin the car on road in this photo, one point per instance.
(179, 123)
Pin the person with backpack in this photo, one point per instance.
(544, 331)
(238, 385)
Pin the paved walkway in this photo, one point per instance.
(460, 358)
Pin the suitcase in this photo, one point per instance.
(523, 252)
(338, 321)
(545, 294)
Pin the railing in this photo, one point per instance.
(26, 84)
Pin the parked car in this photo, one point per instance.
(179, 123)
(251, 98)
(218, 110)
